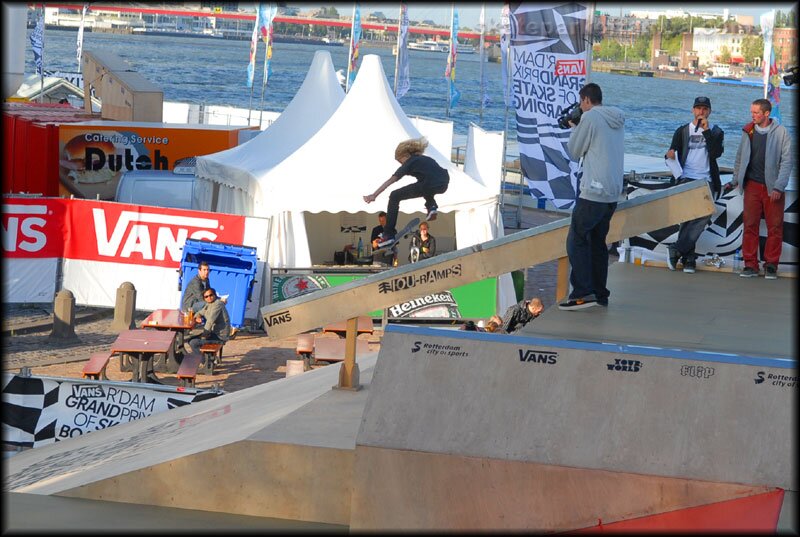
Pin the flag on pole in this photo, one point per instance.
(355, 38)
(450, 71)
(251, 67)
(484, 94)
(37, 43)
(550, 49)
(505, 38)
(772, 77)
(266, 16)
(402, 77)
(80, 33)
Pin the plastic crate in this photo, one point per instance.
(232, 272)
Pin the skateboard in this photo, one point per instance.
(400, 235)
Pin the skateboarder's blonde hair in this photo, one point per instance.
(415, 146)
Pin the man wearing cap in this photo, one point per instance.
(697, 145)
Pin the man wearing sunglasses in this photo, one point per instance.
(217, 325)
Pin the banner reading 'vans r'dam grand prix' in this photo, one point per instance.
(549, 67)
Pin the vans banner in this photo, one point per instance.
(42, 410)
(103, 244)
(105, 231)
(549, 67)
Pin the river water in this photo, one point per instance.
(213, 71)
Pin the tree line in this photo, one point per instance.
(672, 31)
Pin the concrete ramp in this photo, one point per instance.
(706, 311)
(283, 449)
(466, 430)
(489, 431)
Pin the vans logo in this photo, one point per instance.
(278, 318)
(23, 229)
(79, 391)
(141, 233)
(570, 67)
(537, 356)
(632, 366)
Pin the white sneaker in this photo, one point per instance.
(431, 215)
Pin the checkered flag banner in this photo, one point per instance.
(548, 55)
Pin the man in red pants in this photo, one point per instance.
(763, 164)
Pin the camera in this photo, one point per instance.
(572, 113)
(790, 79)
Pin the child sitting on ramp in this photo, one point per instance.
(432, 179)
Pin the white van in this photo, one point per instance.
(159, 188)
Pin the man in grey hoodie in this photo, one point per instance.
(763, 164)
(599, 140)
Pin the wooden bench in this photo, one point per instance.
(328, 349)
(212, 356)
(95, 368)
(187, 372)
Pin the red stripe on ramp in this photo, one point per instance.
(758, 513)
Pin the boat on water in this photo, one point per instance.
(206, 32)
(440, 46)
(751, 82)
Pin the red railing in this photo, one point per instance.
(251, 17)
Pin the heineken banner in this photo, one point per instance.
(549, 67)
(473, 300)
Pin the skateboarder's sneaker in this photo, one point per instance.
(432, 212)
(673, 257)
(578, 303)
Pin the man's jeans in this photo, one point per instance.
(756, 203)
(587, 248)
(689, 232)
(414, 190)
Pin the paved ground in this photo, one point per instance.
(249, 359)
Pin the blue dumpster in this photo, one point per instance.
(232, 272)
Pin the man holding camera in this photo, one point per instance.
(598, 138)
(697, 146)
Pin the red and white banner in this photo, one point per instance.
(104, 244)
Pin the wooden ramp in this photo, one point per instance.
(446, 271)
(589, 418)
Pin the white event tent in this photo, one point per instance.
(228, 181)
(349, 156)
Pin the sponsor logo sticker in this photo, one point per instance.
(776, 379)
(537, 356)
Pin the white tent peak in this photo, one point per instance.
(353, 153)
(313, 104)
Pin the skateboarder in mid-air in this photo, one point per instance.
(431, 179)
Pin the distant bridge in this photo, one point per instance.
(336, 23)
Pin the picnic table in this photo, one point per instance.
(141, 346)
(363, 326)
(176, 321)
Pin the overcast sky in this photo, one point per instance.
(469, 12)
